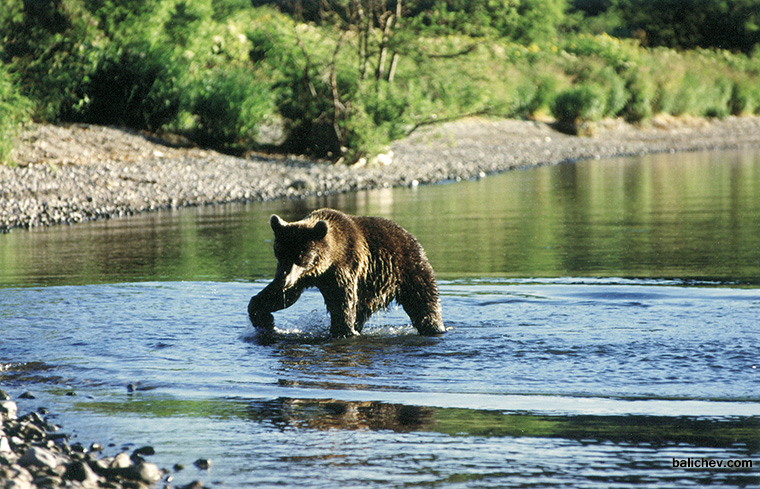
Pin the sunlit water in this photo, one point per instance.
(603, 322)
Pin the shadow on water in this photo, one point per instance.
(738, 433)
(328, 414)
(277, 338)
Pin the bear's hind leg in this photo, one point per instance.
(424, 309)
(426, 322)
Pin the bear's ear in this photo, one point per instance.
(319, 230)
(276, 222)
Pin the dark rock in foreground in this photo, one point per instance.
(34, 455)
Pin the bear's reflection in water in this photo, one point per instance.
(329, 414)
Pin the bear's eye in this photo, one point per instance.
(306, 258)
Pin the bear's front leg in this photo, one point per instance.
(260, 317)
(272, 298)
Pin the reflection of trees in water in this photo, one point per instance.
(347, 415)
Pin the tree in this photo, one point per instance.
(687, 24)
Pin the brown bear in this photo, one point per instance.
(359, 264)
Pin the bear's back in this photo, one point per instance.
(388, 248)
(385, 235)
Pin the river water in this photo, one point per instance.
(603, 329)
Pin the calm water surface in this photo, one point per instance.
(603, 316)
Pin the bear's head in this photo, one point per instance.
(300, 248)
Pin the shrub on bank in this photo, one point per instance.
(52, 47)
(136, 87)
(14, 111)
(579, 103)
(641, 90)
(745, 97)
(229, 106)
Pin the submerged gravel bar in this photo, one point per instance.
(69, 174)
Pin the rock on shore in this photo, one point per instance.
(33, 454)
(68, 174)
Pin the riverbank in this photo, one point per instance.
(69, 174)
(34, 453)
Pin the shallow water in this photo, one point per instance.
(603, 323)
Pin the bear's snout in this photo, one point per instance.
(291, 275)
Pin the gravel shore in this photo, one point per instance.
(69, 174)
(35, 454)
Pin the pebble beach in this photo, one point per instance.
(69, 174)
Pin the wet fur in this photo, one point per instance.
(359, 264)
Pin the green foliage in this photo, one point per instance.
(640, 103)
(532, 96)
(524, 21)
(580, 103)
(134, 88)
(745, 97)
(53, 47)
(230, 105)
(718, 97)
(14, 111)
(611, 86)
(348, 81)
(300, 62)
(687, 98)
(688, 24)
(616, 53)
(617, 94)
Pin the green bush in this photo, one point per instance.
(688, 96)
(533, 95)
(230, 105)
(388, 106)
(580, 103)
(744, 98)
(616, 53)
(617, 94)
(664, 100)
(610, 86)
(14, 111)
(687, 24)
(132, 87)
(718, 98)
(703, 95)
(53, 47)
(217, 69)
(639, 105)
